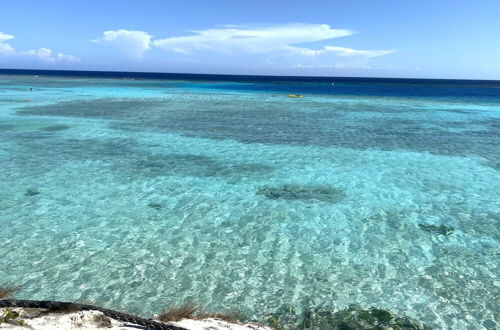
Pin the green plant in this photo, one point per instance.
(10, 316)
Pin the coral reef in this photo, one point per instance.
(443, 229)
(351, 318)
(308, 193)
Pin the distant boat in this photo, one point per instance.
(295, 95)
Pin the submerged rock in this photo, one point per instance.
(31, 192)
(356, 318)
(352, 318)
(55, 128)
(443, 229)
(296, 192)
(155, 206)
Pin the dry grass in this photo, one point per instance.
(177, 313)
(6, 293)
(194, 312)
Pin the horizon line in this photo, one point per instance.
(241, 75)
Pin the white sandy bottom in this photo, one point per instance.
(37, 319)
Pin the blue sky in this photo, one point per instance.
(427, 39)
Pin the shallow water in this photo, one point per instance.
(140, 194)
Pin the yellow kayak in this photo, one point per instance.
(295, 95)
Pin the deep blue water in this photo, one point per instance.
(140, 190)
(431, 88)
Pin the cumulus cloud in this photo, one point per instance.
(341, 51)
(135, 43)
(334, 57)
(5, 48)
(44, 54)
(285, 44)
(66, 57)
(232, 39)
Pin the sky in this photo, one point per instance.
(455, 39)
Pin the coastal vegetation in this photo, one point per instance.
(285, 318)
(194, 311)
(8, 315)
(7, 292)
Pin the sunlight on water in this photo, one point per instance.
(142, 194)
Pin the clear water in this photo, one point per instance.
(140, 194)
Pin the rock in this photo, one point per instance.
(155, 206)
(443, 229)
(355, 318)
(308, 193)
(31, 192)
(352, 318)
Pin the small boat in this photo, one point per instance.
(295, 95)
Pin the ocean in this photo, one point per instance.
(140, 191)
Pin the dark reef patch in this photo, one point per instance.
(351, 318)
(460, 111)
(42, 152)
(318, 124)
(55, 128)
(31, 192)
(442, 229)
(156, 206)
(195, 165)
(308, 193)
(288, 123)
(100, 108)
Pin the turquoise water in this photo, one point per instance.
(140, 194)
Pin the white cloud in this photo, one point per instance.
(334, 57)
(231, 39)
(66, 57)
(276, 45)
(135, 43)
(342, 51)
(44, 54)
(5, 48)
(5, 37)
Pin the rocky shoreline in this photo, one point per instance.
(38, 318)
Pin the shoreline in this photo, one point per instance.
(48, 315)
(39, 318)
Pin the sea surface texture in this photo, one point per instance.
(150, 191)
